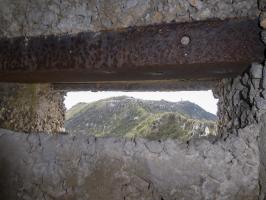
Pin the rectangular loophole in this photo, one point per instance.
(152, 115)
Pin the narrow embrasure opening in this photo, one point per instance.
(151, 115)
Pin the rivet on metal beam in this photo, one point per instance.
(185, 40)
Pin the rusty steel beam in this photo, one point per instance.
(205, 49)
(151, 85)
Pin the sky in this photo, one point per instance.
(204, 99)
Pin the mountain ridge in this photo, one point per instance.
(130, 117)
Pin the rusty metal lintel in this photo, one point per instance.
(195, 50)
(126, 86)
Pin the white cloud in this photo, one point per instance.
(204, 99)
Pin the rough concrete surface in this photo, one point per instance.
(31, 108)
(262, 149)
(41, 166)
(242, 100)
(44, 17)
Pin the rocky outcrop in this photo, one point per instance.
(39, 17)
(41, 166)
(31, 108)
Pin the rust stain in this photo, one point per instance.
(216, 49)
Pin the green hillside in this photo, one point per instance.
(129, 117)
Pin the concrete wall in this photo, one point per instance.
(40, 166)
(232, 166)
(262, 150)
(242, 100)
(31, 108)
(42, 17)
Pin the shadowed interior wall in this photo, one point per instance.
(40, 166)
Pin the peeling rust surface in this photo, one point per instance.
(211, 49)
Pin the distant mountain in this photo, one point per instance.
(130, 117)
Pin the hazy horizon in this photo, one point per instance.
(204, 99)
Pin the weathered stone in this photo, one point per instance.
(40, 166)
(236, 98)
(256, 83)
(263, 20)
(236, 122)
(244, 93)
(262, 5)
(31, 108)
(256, 70)
(263, 36)
(40, 17)
(241, 99)
(264, 78)
(245, 79)
(262, 150)
(261, 105)
(196, 3)
(236, 85)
